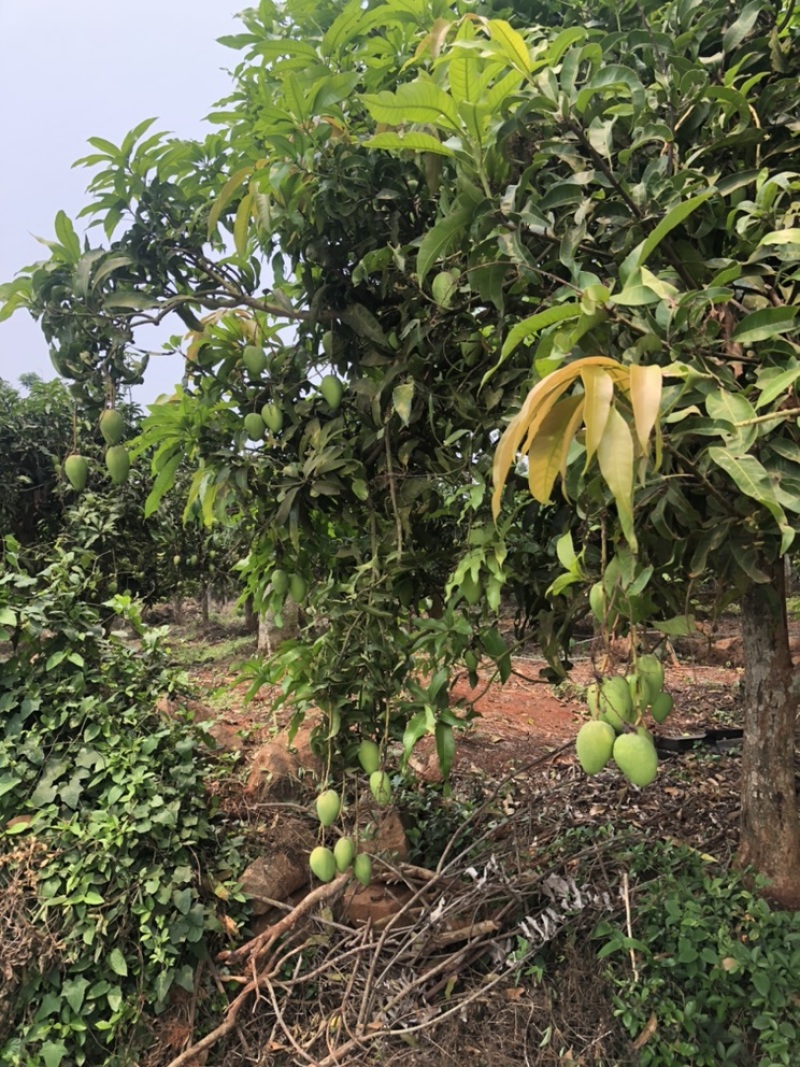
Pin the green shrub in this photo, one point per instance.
(107, 794)
(717, 967)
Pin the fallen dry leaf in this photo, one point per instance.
(648, 1030)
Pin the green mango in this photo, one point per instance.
(112, 426)
(280, 582)
(332, 390)
(594, 745)
(362, 868)
(272, 416)
(343, 853)
(650, 671)
(76, 469)
(254, 426)
(636, 757)
(369, 756)
(662, 706)
(328, 805)
(255, 360)
(118, 463)
(615, 699)
(322, 863)
(381, 787)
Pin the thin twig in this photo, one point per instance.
(627, 899)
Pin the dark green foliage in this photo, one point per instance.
(36, 435)
(112, 791)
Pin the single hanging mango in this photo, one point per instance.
(112, 426)
(76, 469)
(118, 463)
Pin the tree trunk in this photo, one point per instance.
(270, 635)
(250, 617)
(770, 839)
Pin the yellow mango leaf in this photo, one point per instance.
(535, 407)
(615, 457)
(599, 388)
(569, 436)
(645, 394)
(547, 447)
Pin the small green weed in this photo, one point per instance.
(718, 969)
(431, 818)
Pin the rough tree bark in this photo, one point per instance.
(770, 839)
(250, 617)
(270, 635)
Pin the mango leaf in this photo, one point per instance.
(497, 649)
(646, 385)
(635, 296)
(639, 256)
(753, 480)
(773, 382)
(534, 324)
(162, 484)
(402, 399)
(788, 236)
(445, 747)
(761, 325)
(424, 722)
(65, 232)
(548, 446)
(417, 101)
(615, 458)
(612, 76)
(732, 408)
(598, 386)
(438, 240)
(241, 222)
(511, 43)
(361, 321)
(750, 560)
(738, 30)
(224, 198)
(537, 404)
(109, 265)
(465, 66)
(129, 301)
(409, 141)
(565, 551)
(677, 626)
(332, 90)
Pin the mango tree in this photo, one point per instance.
(673, 415)
(446, 206)
(337, 341)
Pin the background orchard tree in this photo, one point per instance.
(36, 428)
(446, 205)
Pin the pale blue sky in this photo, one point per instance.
(69, 71)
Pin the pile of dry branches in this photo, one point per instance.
(314, 989)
